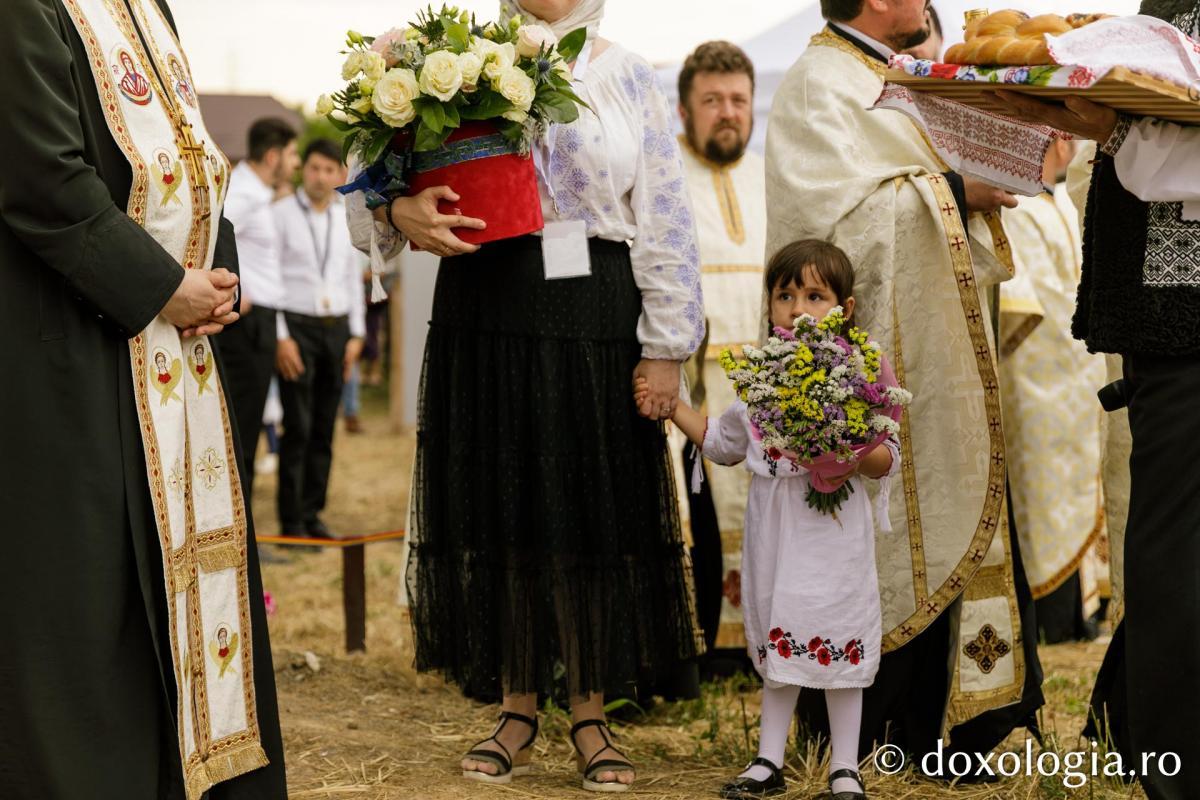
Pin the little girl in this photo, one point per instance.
(810, 597)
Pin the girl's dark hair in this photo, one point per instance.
(830, 263)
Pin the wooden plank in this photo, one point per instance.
(1124, 90)
(352, 541)
(354, 597)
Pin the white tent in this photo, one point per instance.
(775, 50)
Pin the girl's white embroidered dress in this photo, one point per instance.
(810, 594)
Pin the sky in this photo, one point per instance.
(290, 48)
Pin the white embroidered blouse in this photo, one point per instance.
(619, 170)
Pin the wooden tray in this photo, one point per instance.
(1123, 89)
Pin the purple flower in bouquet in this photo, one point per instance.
(821, 395)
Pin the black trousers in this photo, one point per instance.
(248, 355)
(1148, 689)
(310, 406)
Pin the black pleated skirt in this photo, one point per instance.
(549, 556)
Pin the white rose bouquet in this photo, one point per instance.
(446, 69)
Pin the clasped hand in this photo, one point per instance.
(656, 388)
(202, 304)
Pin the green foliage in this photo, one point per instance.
(571, 45)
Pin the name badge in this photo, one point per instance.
(565, 250)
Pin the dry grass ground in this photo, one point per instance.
(368, 727)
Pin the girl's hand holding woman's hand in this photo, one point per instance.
(419, 219)
(660, 379)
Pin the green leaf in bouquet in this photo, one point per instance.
(349, 145)
(453, 116)
(458, 34)
(571, 45)
(488, 104)
(512, 131)
(376, 144)
(427, 139)
(557, 107)
(341, 125)
(569, 93)
(432, 113)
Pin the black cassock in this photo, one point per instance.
(87, 689)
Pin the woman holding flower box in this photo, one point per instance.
(549, 546)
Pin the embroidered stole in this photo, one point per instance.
(179, 184)
(953, 534)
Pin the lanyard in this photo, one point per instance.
(322, 255)
(543, 153)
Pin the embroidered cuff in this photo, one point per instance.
(1118, 136)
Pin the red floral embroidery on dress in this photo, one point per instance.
(818, 649)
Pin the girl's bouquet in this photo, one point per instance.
(451, 98)
(820, 398)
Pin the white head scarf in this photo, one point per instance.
(586, 14)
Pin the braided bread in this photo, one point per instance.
(1013, 38)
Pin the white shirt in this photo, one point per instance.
(248, 207)
(322, 271)
(618, 169)
(1160, 162)
(879, 47)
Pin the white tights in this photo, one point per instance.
(845, 720)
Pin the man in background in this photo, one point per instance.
(321, 335)
(249, 346)
(726, 183)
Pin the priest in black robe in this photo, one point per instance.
(87, 686)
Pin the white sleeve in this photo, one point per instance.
(883, 499)
(1160, 162)
(666, 258)
(728, 436)
(368, 234)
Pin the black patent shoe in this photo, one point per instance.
(746, 788)
(508, 765)
(852, 775)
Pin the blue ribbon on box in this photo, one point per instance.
(383, 181)
(464, 150)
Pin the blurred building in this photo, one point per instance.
(228, 118)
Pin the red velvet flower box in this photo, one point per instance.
(494, 183)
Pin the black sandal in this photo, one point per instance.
(505, 769)
(594, 767)
(742, 788)
(852, 775)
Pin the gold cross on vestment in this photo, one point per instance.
(987, 648)
(193, 152)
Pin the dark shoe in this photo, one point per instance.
(852, 775)
(745, 788)
(294, 529)
(503, 761)
(316, 529)
(593, 766)
(352, 425)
